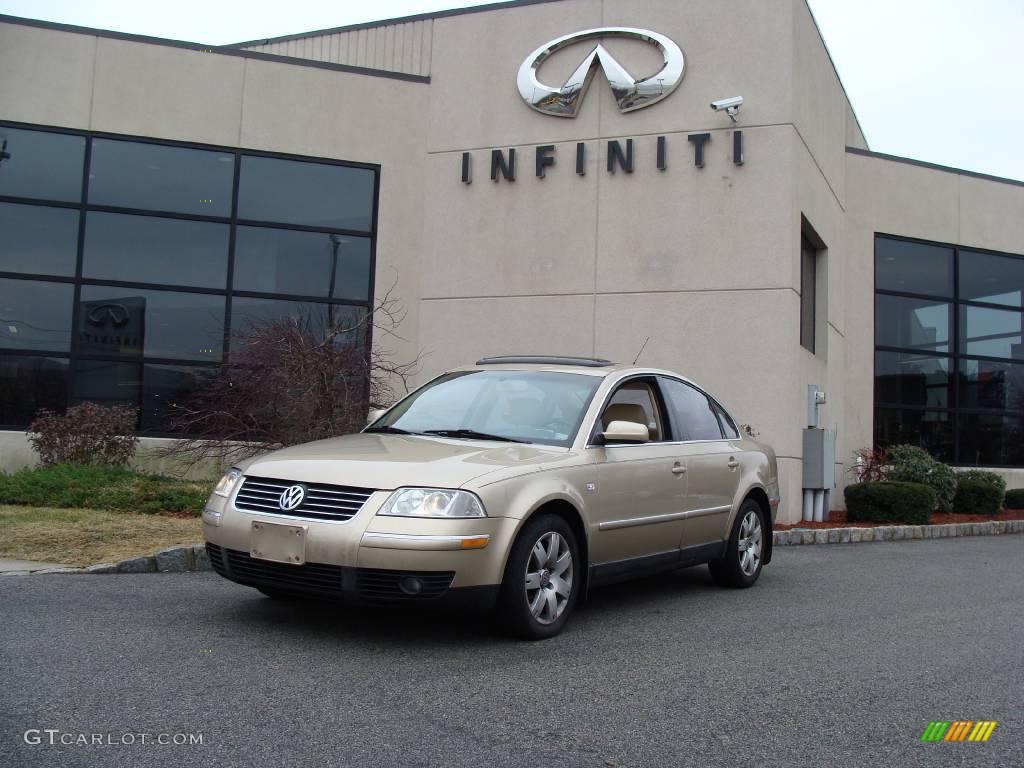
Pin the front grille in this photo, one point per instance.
(216, 558)
(379, 584)
(321, 502)
(309, 577)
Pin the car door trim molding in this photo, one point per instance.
(630, 567)
(610, 525)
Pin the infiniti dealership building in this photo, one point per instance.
(538, 176)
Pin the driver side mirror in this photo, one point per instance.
(375, 413)
(626, 432)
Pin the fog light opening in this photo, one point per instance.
(410, 585)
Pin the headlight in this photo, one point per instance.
(432, 502)
(227, 483)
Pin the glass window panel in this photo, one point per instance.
(914, 323)
(991, 332)
(313, 194)
(731, 432)
(28, 384)
(127, 322)
(249, 314)
(995, 279)
(35, 315)
(164, 386)
(808, 300)
(991, 439)
(301, 263)
(161, 178)
(907, 378)
(931, 430)
(151, 249)
(913, 267)
(41, 165)
(693, 416)
(107, 383)
(987, 384)
(34, 238)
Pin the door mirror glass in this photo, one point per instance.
(626, 432)
(374, 414)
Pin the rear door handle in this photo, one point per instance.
(678, 469)
(733, 463)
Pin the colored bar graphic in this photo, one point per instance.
(958, 730)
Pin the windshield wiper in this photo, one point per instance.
(390, 430)
(471, 434)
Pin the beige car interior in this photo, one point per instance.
(634, 402)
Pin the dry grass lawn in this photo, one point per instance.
(87, 536)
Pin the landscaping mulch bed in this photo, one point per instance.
(838, 519)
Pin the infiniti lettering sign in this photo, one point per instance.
(630, 94)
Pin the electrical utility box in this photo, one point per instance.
(819, 459)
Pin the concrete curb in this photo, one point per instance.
(799, 536)
(173, 560)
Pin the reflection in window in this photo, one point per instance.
(909, 378)
(693, 414)
(991, 439)
(931, 430)
(312, 194)
(908, 267)
(37, 239)
(302, 263)
(990, 278)
(41, 165)
(150, 249)
(991, 332)
(28, 383)
(35, 315)
(915, 323)
(126, 322)
(248, 314)
(989, 384)
(107, 383)
(132, 174)
(165, 386)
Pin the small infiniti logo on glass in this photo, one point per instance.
(291, 497)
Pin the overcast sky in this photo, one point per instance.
(935, 80)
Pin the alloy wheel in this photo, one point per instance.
(549, 574)
(750, 543)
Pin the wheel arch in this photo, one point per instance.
(568, 511)
(760, 495)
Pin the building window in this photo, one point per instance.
(949, 357)
(813, 291)
(127, 264)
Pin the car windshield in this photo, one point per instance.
(516, 406)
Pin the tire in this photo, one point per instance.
(540, 587)
(744, 551)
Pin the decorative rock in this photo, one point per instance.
(821, 537)
(174, 560)
(59, 570)
(855, 535)
(917, 532)
(137, 565)
(867, 534)
(102, 568)
(844, 535)
(200, 560)
(807, 535)
(833, 536)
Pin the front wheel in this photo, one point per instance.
(744, 552)
(542, 579)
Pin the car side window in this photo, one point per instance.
(727, 423)
(693, 414)
(635, 401)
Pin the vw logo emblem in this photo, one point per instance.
(291, 497)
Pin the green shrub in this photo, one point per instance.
(910, 464)
(978, 496)
(1015, 499)
(95, 487)
(984, 476)
(889, 502)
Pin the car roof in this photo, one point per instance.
(591, 367)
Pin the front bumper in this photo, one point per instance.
(467, 553)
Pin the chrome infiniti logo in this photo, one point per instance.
(114, 314)
(291, 497)
(630, 94)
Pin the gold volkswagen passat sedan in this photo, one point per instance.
(517, 484)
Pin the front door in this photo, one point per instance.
(641, 492)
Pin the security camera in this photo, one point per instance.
(730, 106)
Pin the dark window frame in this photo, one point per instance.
(233, 221)
(955, 410)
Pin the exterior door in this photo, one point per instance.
(711, 459)
(641, 487)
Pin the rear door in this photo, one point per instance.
(711, 459)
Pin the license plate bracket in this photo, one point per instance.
(278, 543)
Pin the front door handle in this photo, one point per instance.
(678, 469)
(733, 463)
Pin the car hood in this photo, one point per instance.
(385, 462)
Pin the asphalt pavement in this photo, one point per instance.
(840, 656)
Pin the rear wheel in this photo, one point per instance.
(744, 552)
(542, 579)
